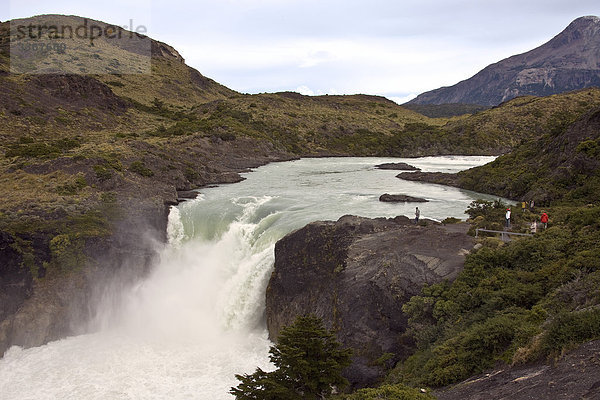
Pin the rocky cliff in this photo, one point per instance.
(356, 274)
(571, 60)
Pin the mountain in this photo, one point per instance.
(135, 67)
(570, 61)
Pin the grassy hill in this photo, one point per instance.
(445, 110)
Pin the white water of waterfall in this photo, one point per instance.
(198, 319)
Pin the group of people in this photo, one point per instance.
(524, 205)
(543, 218)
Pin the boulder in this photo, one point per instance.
(399, 198)
(356, 274)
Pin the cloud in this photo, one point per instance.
(402, 99)
(305, 90)
(314, 58)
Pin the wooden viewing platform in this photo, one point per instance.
(502, 233)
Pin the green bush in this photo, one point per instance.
(140, 168)
(28, 148)
(102, 172)
(388, 392)
(73, 186)
(569, 329)
(450, 221)
(502, 300)
(67, 252)
(309, 363)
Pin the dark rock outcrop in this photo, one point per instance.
(78, 91)
(16, 282)
(356, 274)
(183, 195)
(400, 166)
(570, 61)
(400, 198)
(440, 178)
(575, 376)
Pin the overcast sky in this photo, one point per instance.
(394, 48)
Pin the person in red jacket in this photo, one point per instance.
(544, 220)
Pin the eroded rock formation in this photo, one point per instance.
(356, 274)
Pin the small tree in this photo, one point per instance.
(309, 363)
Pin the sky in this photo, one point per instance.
(392, 48)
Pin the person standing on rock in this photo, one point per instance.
(508, 217)
(544, 220)
(417, 215)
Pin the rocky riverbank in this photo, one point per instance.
(59, 265)
(356, 274)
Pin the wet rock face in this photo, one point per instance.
(356, 274)
(16, 282)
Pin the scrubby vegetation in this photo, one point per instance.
(445, 110)
(530, 299)
(388, 392)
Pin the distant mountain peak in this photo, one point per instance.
(588, 26)
(587, 19)
(569, 61)
(583, 28)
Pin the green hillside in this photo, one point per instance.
(531, 299)
(560, 166)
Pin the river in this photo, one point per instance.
(198, 319)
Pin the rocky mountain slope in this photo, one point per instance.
(570, 61)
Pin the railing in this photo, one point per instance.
(502, 233)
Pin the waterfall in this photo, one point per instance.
(198, 319)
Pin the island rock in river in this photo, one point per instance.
(401, 198)
(400, 166)
(356, 274)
